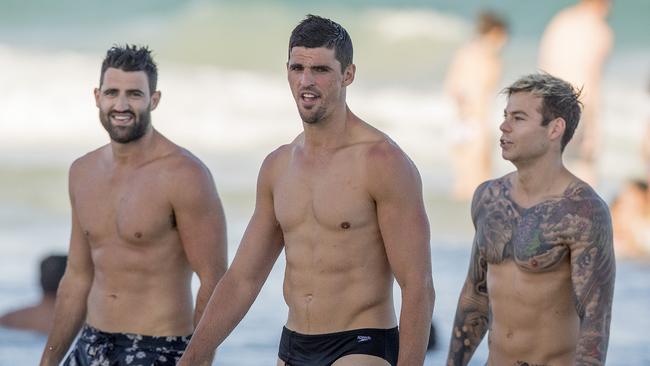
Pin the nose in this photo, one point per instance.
(504, 126)
(307, 78)
(121, 103)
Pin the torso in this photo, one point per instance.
(337, 273)
(141, 275)
(533, 316)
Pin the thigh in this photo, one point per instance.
(361, 360)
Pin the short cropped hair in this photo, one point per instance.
(131, 58)
(488, 20)
(559, 99)
(315, 31)
(52, 269)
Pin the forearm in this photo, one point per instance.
(70, 314)
(594, 336)
(415, 323)
(470, 325)
(202, 298)
(227, 306)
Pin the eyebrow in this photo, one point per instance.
(325, 66)
(127, 90)
(515, 112)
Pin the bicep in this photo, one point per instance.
(403, 224)
(593, 266)
(263, 239)
(79, 265)
(201, 224)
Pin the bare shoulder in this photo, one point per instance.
(182, 168)
(87, 166)
(586, 203)
(277, 160)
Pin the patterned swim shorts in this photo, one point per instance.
(97, 348)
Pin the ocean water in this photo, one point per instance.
(225, 97)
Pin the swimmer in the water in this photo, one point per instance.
(345, 204)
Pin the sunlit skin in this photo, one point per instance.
(540, 280)
(317, 83)
(345, 204)
(145, 216)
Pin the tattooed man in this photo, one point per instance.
(541, 275)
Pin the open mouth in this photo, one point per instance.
(122, 119)
(309, 98)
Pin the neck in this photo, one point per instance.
(134, 151)
(328, 133)
(541, 178)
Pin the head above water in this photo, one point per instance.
(315, 32)
(131, 58)
(52, 269)
(489, 21)
(559, 100)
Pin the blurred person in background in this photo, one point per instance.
(39, 317)
(471, 82)
(575, 46)
(630, 220)
(145, 217)
(542, 268)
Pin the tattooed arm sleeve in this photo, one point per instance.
(593, 270)
(472, 312)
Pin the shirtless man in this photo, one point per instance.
(346, 205)
(574, 47)
(541, 274)
(145, 215)
(39, 317)
(471, 83)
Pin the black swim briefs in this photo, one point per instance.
(95, 347)
(324, 349)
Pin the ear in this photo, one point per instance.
(348, 74)
(155, 98)
(557, 127)
(97, 94)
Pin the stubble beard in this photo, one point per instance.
(312, 117)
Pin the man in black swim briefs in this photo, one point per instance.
(345, 204)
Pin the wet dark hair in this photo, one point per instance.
(315, 31)
(52, 269)
(131, 58)
(559, 99)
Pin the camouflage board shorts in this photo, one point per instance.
(97, 348)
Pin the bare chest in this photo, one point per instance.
(133, 208)
(334, 199)
(536, 239)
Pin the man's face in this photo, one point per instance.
(125, 104)
(523, 136)
(316, 81)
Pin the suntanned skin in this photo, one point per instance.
(471, 81)
(145, 215)
(346, 205)
(541, 274)
(575, 46)
(36, 318)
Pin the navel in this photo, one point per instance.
(138, 234)
(345, 225)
